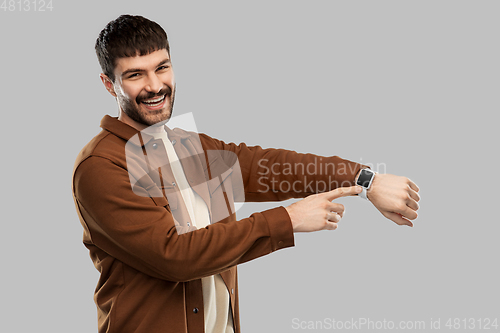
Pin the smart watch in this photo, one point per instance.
(365, 180)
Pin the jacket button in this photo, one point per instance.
(232, 291)
(155, 145)
(173, 183)
(174, 141)
(195, 310)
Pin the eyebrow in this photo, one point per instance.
(138, 70)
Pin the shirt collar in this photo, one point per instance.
(126, 132)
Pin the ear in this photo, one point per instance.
(108, 84)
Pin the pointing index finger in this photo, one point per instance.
(343, 192)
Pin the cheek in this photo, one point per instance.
(168, 79)
(129, 93)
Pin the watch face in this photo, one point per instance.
(364, 178)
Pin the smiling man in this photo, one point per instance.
(166, 254)
(146, 103)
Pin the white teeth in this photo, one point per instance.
(156, 100)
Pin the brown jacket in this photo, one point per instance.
(150, 266)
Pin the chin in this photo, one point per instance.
(158, 120)
(160, 123)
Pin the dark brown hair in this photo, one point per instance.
(128, 36)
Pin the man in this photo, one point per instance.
(152, 199)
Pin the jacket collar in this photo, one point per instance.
(127, 132)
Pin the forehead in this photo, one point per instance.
(148, 61)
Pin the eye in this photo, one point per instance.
(131, 76)
(162, 68)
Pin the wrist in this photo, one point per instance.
(292, 218)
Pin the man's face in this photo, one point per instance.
(145, 87)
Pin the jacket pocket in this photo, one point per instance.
(158, 194)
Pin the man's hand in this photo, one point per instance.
(318, 212)
(395, 197)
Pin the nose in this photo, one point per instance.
(154, 84)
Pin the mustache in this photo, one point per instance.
(164, 91)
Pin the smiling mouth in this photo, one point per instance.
(154, 102)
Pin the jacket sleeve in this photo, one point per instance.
(279, 174)
(141, 233)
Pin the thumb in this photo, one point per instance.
(342, 192)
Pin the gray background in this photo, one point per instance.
(412, 85)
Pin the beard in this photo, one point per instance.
(149, 118)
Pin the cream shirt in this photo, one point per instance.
(216, 302)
